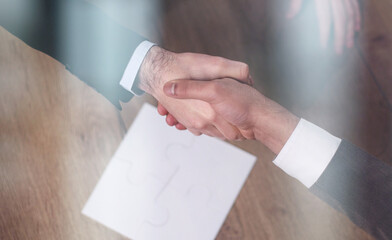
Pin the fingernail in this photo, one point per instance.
(170, 89)
(173, 89)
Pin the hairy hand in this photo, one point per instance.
(256, 116)
(343, 15)
(161, 66)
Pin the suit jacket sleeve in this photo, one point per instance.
(90, 44)
(359, 185)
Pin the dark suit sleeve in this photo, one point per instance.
(91, 45)
(359, 185)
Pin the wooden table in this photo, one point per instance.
(57, 134)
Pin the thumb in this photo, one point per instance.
(191, 89)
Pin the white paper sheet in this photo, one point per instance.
(168, 184)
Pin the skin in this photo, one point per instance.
(256, 116)
(161, 66)
(343, 15)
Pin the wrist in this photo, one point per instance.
(153, 69)
(274, 125)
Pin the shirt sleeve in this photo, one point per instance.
(307, 152)
(128, 79)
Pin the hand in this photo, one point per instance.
(161, 66)
(344, 14)
(170, 120)
(256, 116)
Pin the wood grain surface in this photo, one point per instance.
(57, 134)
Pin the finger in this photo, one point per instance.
(339, 24)
(179, 126)
(204, 67)
(207, 91)
(247, 133)
(162, 110)
(357, 12)
(194, 132)
(170, 120)
(350, 23)
(229, 131)
(212, 131)
(295, 7)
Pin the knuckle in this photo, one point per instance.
(196, 133)
(198, 124)
(209, 122)
(244, 72)
(202, 125)
(213, 118)
(181, 89)
(218, 62)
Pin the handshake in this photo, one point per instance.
(213, 96)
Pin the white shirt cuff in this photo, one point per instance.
(130, 73)
(307, 153)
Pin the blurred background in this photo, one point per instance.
(57, 134)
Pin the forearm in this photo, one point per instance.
(156, 65)
(273, 125)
